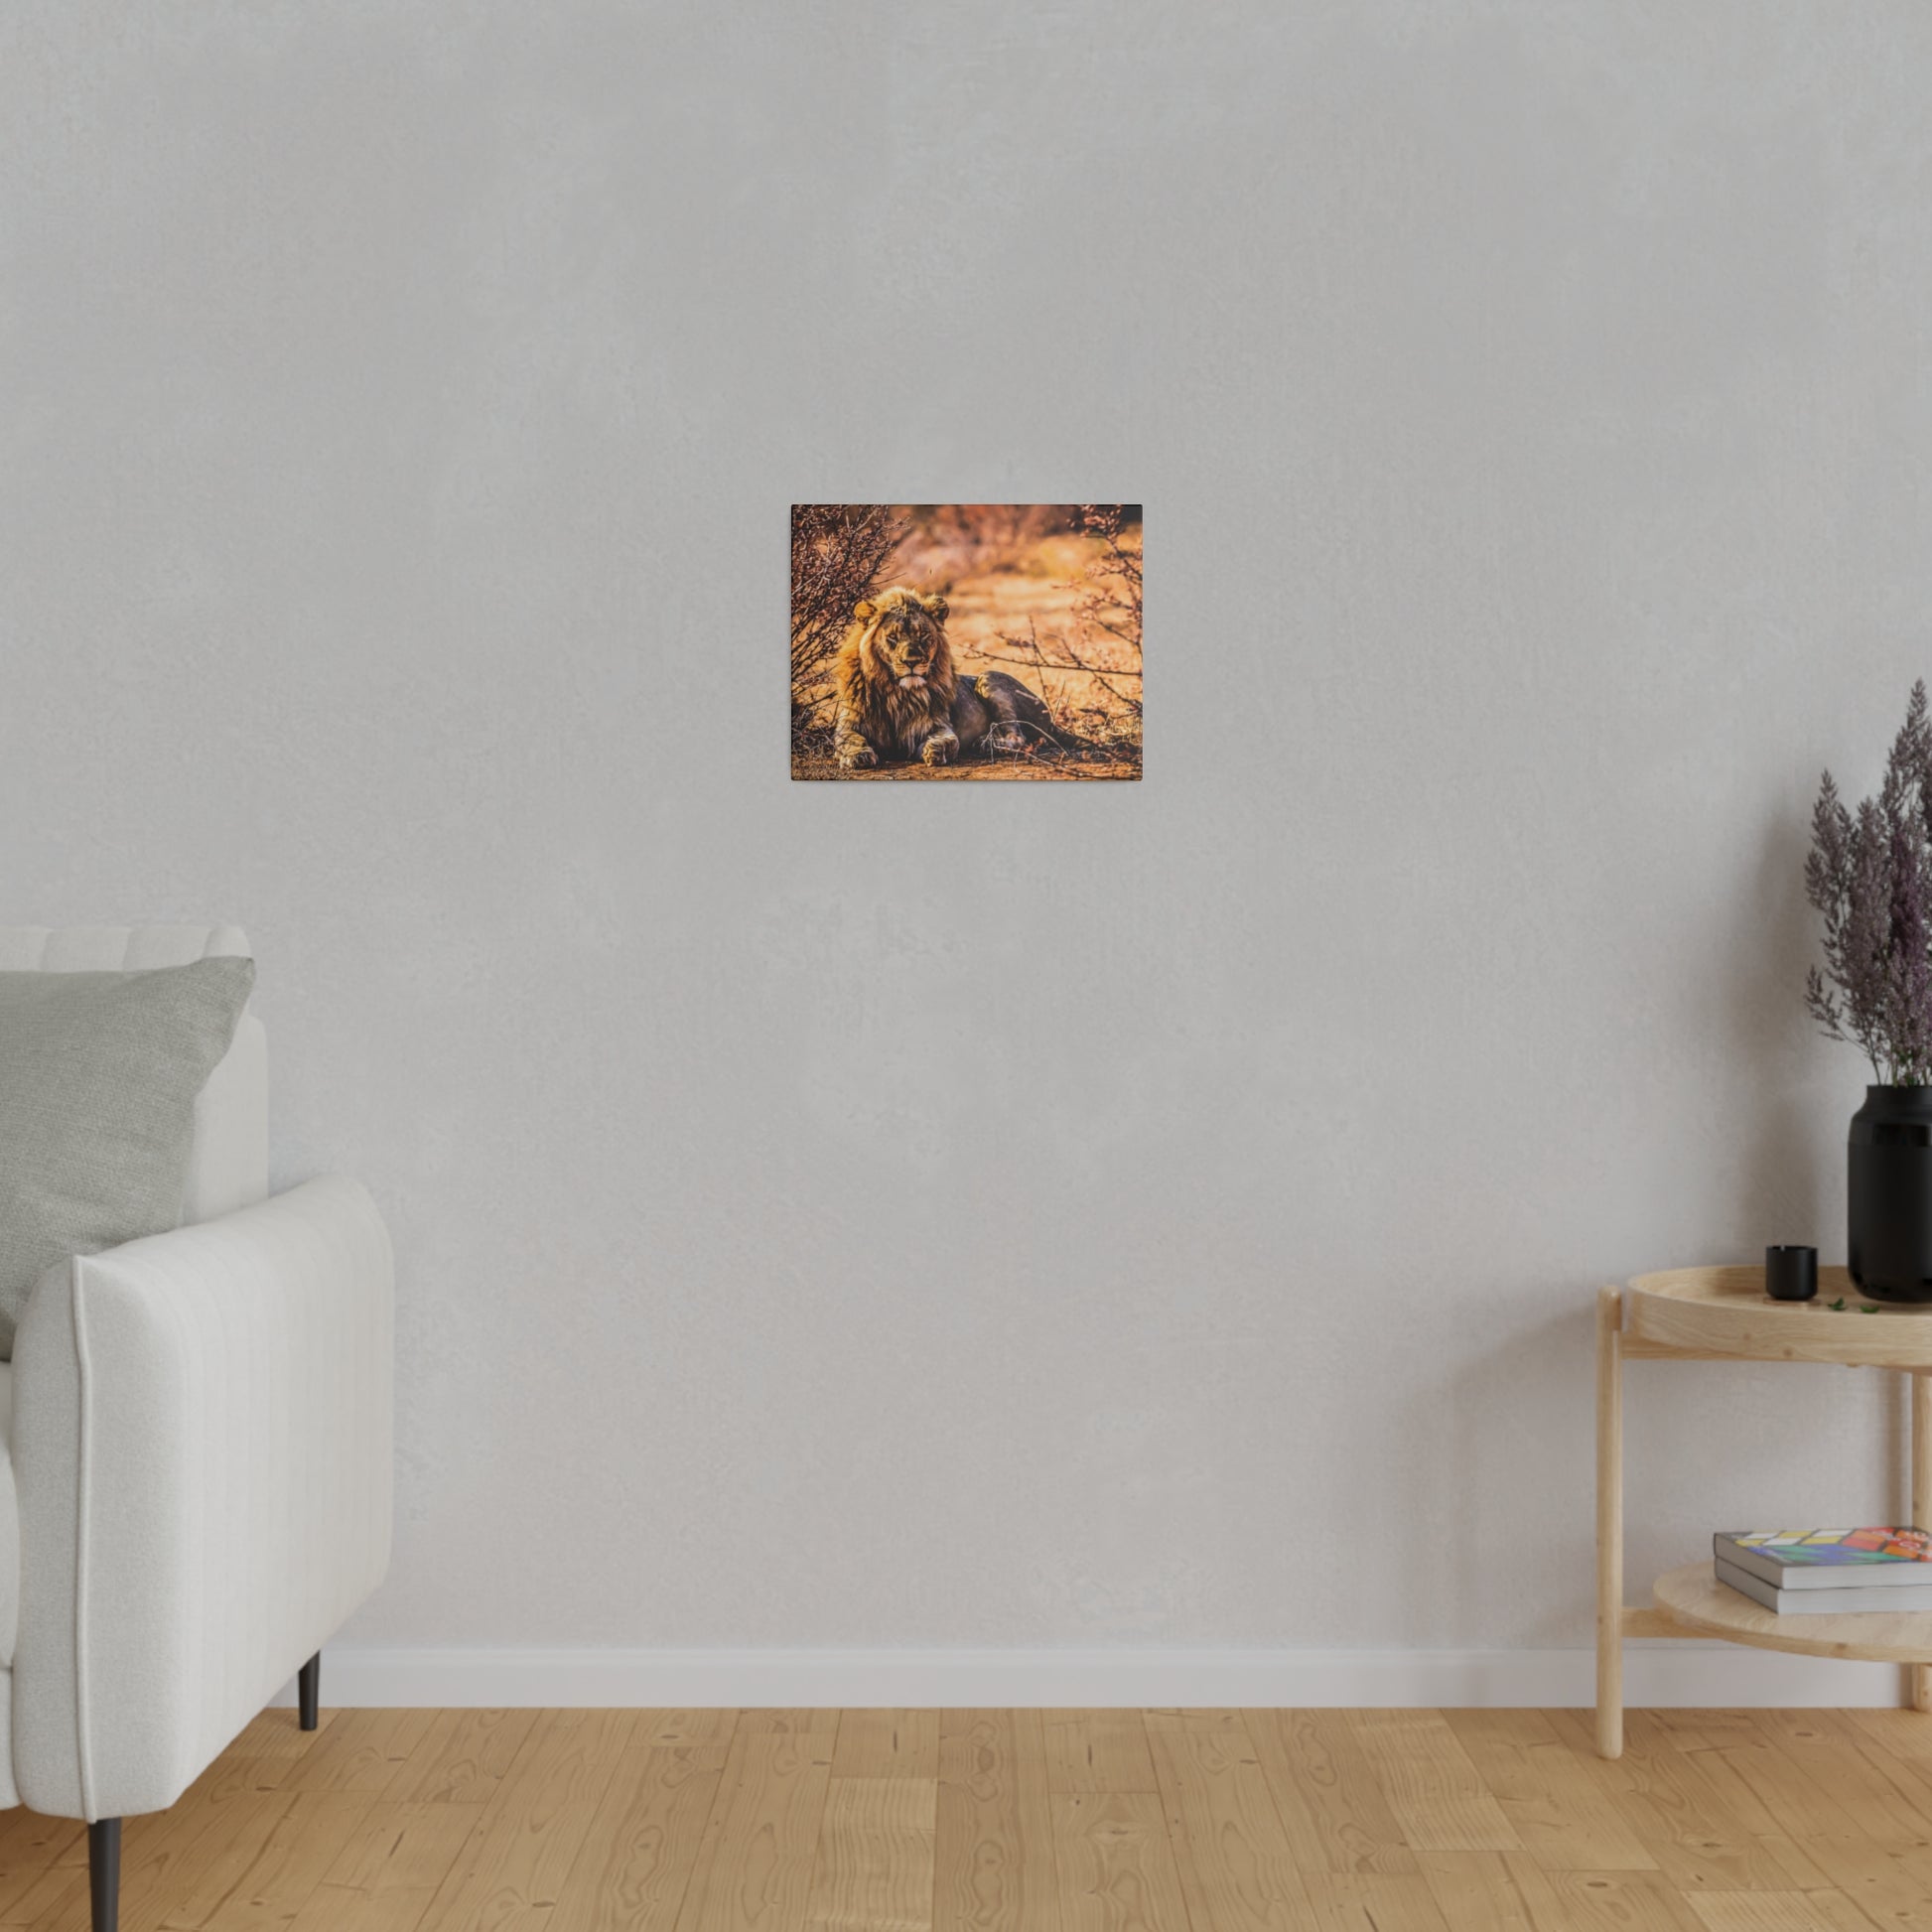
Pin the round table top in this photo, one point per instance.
(1726, 1311)
(1694, 1598)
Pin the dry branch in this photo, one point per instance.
(838, 553)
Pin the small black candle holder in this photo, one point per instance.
(1791, 1274)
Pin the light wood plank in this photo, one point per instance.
(294, 1858)
(994, 1867)
(1435, 1793)
(463, 1758)
(1237, 1871)
(56, 1893)
(1490, 1891)
(1618, 1901)
(644, 1843)
(62, 1899)
(686, 1727)
(218, 1842)
(1215, 1724)
(1714, 1788)
(1871, 1786)
(1098, 1750)
(799, 1723)
(511, 1869)
(874, 1870)
(1705, 1770)
(757, 1874)
(1373, 1901)
(1777, 1795)
(887, 1744)
(1697, 1841)
(1116, 1868)
(362, 1750)
(32, 1846)
(1778, 1912)
(1890, 1884)
(1331, 1806)
(1699, 1729)
(1558, 1804)
(1899, 1734)
(384, 1878)
(279, 1733)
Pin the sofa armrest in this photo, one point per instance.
(203, 1449)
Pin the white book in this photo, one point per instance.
(1895, 1598)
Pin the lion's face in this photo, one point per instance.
(905, 639)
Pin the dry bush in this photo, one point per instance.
(1110, 606)
(1104, 728)
(838, 553)
(1101, 650)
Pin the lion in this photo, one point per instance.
(900, 697)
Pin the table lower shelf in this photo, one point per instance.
(1694, 1601)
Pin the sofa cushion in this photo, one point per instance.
(229, 1168)
(99, 1077)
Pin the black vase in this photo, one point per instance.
(1891, 1194)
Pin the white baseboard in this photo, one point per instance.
(1655, 1674)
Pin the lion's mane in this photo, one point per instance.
(895, 719)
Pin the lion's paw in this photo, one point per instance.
(861, 758)
(939, 751)
(1007, 740)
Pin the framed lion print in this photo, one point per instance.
(966, 640)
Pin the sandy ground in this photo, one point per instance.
(1007, 769)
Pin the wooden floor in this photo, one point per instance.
(1028, 1821)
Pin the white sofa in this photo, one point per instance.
(199, 1455)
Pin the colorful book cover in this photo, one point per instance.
(1823, 1549)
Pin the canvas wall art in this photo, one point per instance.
(966, 640)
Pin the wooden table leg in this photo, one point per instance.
(1921, 1674)
(1609, 1522)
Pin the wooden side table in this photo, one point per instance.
(1707, 1315)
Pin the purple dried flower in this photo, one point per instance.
(1829, 866)
(1870, 877)
(1908, 975)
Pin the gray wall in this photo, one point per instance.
(994, 1214)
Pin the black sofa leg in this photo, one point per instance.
(104, 1873)
(308, 1686)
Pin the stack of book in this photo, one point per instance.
(1828, 1573)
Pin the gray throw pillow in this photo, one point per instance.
(98, 1075)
